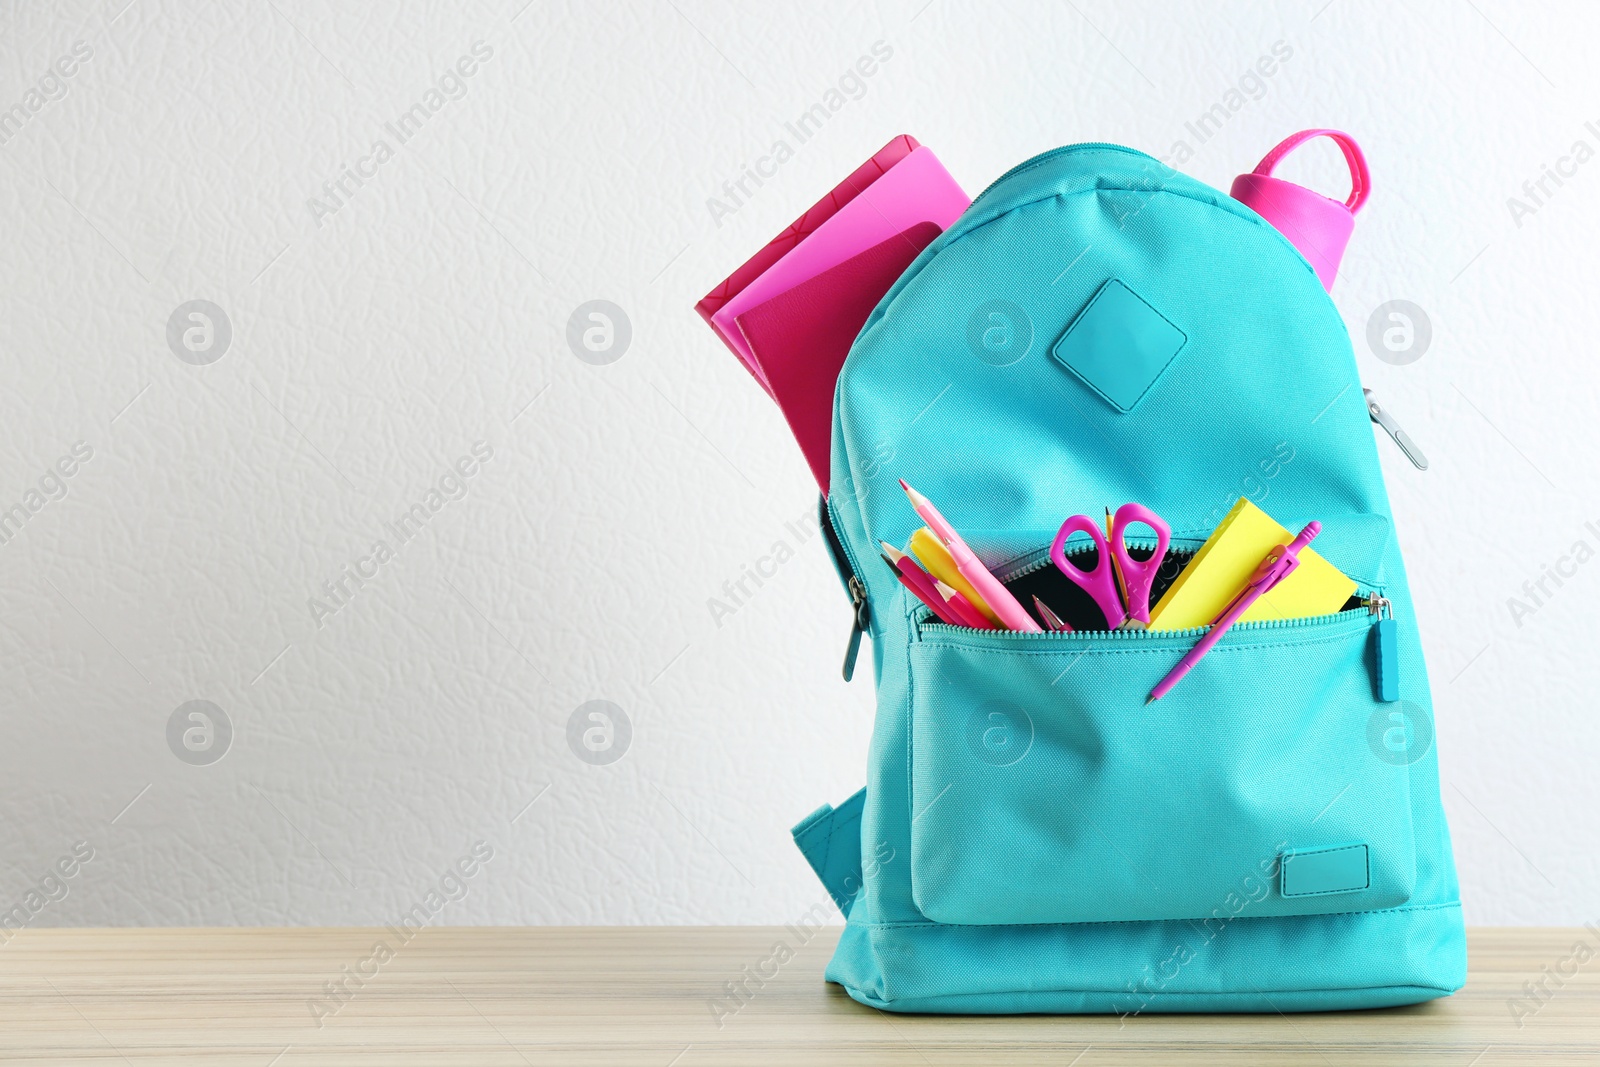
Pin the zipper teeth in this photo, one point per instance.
(1040, 558)
(925, 621)
(837, 538)
(1137, 635)
(1045, 157)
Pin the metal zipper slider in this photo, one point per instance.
(858, 626)
(1377, 605)
(1392, 428)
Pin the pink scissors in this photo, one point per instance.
(1113, 560)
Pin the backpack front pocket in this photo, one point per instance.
(1045, 790)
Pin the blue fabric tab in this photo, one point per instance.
(830, 840)
(1386, 638)
(1119, 345)
(1313, 872)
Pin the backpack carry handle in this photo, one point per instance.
(1319, 227)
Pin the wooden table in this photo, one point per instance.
(614, 995)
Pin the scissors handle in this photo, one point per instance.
(1139, 575)
(1100, 582)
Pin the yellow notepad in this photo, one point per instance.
(1225, 562)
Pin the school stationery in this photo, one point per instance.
(1113, 562)
(1278, 565)
(916, 579)
(1209, 581)
(794, 234)
(1116, 568)
(915, 190)
(1003, 604)
(1031, 837)
(963, 609)
(1051, 620)
(800, 337)
(932, 554)
(911, 587)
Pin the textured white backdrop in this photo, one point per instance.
(377, 339)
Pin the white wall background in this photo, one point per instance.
(428, 313)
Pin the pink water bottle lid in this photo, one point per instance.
(1319, 227)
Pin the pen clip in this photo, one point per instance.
(1393, 429)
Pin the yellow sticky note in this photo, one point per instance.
(1225, 562)
(938, 562)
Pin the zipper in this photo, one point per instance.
(1045, 157)
(1382, 417)
(858, 626)
(1080, 636)
(860, 609)
(1373, 603)
(1039, 559)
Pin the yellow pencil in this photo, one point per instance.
(930, 551)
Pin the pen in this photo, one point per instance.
(1000, 600)
(1280, 562)
(1052, 621)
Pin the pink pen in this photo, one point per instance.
(999, 599)
(962, 608)
(1278, 565)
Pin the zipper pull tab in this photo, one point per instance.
(1392, 428)
(1386, 653)
(858, 626)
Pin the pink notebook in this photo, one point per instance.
(917, 189)
(801, 336)
(797, 231)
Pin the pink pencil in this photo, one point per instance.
(961, 606)
(999, 599)
(917, 580)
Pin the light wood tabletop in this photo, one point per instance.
(654, 996)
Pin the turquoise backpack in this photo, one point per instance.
(1033, 837)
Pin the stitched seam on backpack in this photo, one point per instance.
(931, 925)
(1180, 994)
